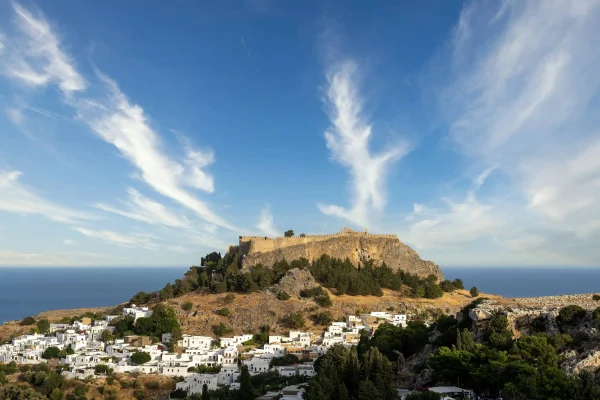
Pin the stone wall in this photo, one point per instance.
(357, 246)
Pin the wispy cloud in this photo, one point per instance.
(40, 60)
(144, 209)
(132, 240)
(37, 59)
(69, 242)
(18, 198)
(125, 125)
(523, 97)
(348, 140)
(266, 224)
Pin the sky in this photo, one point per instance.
(150, 133)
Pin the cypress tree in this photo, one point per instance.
(246, 392)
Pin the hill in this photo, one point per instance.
(358, 247)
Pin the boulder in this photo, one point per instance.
(295, 281)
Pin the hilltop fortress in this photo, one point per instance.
(356, 246)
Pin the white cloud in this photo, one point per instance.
(348, 140)
(19, 199)
(143, 209)
(523, 98)
(125, 125)
(40, 60)
(454, 224)
(266, 225)
(133, 240)
(37, 59)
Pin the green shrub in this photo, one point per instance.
(187, 306)
(295, 320)
(596, 297)
(283, 295)
(222, 330)
(324, 300)
(570, 315)
(474, 291)
(224, 312)
(152, 385)
(323, 318)
(229, 298)
(27, 321)
(140, 357)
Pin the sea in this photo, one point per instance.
(28, 291)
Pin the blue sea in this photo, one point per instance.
(28, 291)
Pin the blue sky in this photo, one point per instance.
(147, 133)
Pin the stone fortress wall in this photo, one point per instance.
(356, 246)
(261, 244)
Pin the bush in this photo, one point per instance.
(224, 312)
(570, 315)
(283, 295)
(323, 318)
(187, 306)
(324, 300)
(295, 320)
(447, 286)
(288, 359)
(427, 395)
(596, 297)
(43, 326)
(152, 385)
(229, 298)
(474, 292)
(140, 357)
(51, 352)
(222, 330)
(27, 321)
(458, 284)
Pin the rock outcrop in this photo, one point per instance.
(356, 246)
(295, 281)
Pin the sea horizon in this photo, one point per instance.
(30, 290)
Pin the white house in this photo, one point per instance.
(258, 364)
(195, 342)
(137, 312)
(194, 383)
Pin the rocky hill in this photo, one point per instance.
(356, 246)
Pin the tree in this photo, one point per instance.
(140, 357)
(56, 394)
(27, 321)
(570, 315)
(323, 318)
(295, 320)
(222, 330)
(303, 235)
(51, 352)
(20, 392)
(245, 392)
(289, 233)
(205, 392)
(43, 326)
(458, 284)
(427, 395)
(596, 297)
(474, 292)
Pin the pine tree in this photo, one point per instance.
(342, 392)
(459, 345)
(467, 340)
(205, 392)
(352, 373)
(246, 392)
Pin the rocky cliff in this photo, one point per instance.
(356, 246)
